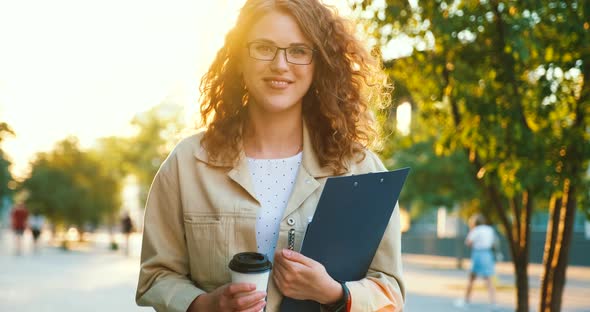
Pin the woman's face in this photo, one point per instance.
(276, 85)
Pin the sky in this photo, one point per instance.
(86, 67)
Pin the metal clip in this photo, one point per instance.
(291, 239)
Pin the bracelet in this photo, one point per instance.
(342, 304)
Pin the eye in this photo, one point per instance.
(263, 48)
(299, 51)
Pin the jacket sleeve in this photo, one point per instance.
(383, 289)
(163, 277)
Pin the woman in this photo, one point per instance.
(481, 238)
(286, 106)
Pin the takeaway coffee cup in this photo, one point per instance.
(250, 267)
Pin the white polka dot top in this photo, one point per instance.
(273, 181)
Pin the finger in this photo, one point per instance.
(279, 275)
(283, 267)
(292, 268)
(281, 285)
(297, 257)
(236, 288)
(278, 255)
(279, 258)
(255, 308)
(247, 301)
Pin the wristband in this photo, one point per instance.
(342, 304)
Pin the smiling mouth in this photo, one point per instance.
(278, 84)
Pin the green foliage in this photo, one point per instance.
(5, 130)
(508, 83)
(140, 155)
(584, 199)
(5, 176)
(435, 180)
(72, 187)
(504, 81)
(75, 187)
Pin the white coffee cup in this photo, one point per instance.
(250, 267)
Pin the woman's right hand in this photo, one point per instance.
(236, 297)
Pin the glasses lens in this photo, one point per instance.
(299, 55)
(262, 51)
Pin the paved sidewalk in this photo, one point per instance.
(54, 280)
(97, 279)
(434, 284)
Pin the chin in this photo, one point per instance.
(280, 105)
(279, 108)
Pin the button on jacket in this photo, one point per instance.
(200, 212)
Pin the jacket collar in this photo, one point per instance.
(310, 161)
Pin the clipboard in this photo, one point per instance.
(348, 226)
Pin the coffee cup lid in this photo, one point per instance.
(250, 262)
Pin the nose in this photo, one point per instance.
(280, 61)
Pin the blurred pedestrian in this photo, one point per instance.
(36, 222)
(127, 229)
(18, 217)
(481, 239)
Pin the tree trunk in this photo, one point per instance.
(549, 253)
(517, 234)
(522, 282)
(520, 260)
(459, 245)
(520, 254)
(557, 245)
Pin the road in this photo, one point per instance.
(94, 278)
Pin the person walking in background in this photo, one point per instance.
(287, 103)
(126, 229)
(36, 222)
(481, 238)
(18, 218)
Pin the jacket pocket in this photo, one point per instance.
(207, 245)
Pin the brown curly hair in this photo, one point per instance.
(348, 81)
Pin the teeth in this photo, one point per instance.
(279, 83)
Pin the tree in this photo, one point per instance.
(423, 189)
(142, 153)
(506, 83)
(5, 176)
(72, 187)
(156, 133)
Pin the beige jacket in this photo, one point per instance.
(199, 213)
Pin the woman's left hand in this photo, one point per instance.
(302, 278)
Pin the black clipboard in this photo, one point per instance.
(348, 225)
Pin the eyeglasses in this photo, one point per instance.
(298, 55)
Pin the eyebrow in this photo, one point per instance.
(294, 44)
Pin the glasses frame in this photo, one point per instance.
(313, 51)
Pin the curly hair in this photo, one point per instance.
(348, 82)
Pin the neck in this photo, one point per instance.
(276, 136)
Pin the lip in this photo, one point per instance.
(278, 83)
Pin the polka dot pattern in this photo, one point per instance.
(273, 183)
